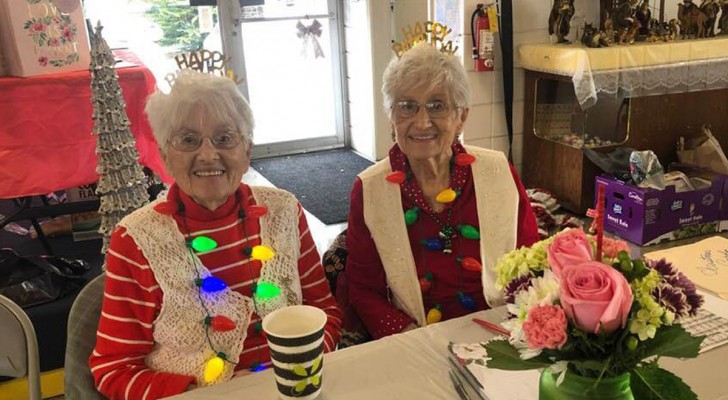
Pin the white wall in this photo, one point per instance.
(369, 32)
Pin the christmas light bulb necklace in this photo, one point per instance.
(259, 290)
(447, 230)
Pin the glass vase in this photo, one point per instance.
(577, 387)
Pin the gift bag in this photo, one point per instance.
(43, 36)
(706, 153)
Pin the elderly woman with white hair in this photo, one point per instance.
(427, 224)
(189, 277)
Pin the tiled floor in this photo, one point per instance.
(322, 234)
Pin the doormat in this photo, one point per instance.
(321, 181)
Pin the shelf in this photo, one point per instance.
(641, 69)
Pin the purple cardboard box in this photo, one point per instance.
(650, 216)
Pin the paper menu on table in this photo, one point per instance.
(705, 263)
(492, 384)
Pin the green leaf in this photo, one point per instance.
(301, 386)
(653, 383)
(673, 341)
(504, 356)
(299, 370)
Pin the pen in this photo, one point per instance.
(458, 385)
(491, 327)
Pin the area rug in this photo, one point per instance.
(321, 180)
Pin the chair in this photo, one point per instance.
(353, 331)
(19, 347)
(83, 322)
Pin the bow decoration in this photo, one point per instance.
(310, 34)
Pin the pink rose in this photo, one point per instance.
(612, 247)
(37, 27)
(595, 296)
(43, 61)
(569, 248)
(545, 327)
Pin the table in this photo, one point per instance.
(414, 365)
(45, 130)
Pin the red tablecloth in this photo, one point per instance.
(45, 130)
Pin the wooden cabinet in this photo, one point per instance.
(651, 122)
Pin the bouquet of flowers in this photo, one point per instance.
(582, 317)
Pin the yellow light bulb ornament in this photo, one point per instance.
(434, 315)
(260, 252)
(214, 367)
(446, 196)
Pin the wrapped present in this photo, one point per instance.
(43, 37)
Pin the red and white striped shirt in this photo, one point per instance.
(133, 299)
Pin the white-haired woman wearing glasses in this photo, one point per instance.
(189, 277)
(424, 220)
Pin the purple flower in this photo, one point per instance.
(676, 292)
(515, 286)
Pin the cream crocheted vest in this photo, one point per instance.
(497, 205)
(180, 342)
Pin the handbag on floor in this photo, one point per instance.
(30, 281)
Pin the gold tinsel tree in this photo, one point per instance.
(122, 186)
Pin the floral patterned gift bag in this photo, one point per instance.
(43, 36)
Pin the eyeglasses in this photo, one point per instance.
(189, 141)
(410, 108)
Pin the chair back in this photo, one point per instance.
(19, 346)
(83, 322)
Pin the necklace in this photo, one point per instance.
(447, 232)
(259, 290)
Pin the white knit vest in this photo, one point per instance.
(180, 342)
(497, 205)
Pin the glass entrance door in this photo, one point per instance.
(287, 53)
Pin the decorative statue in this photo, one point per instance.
(624, 15)
(559, 20)
(590, 37)
(710, 8)
(644, 15)
(692, 20)
(628, 34)
(723, 23)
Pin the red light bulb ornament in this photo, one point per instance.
(256, 211)
(426, 283)
(464, 159)
(470, 264)
(220, 323)
(397, 177)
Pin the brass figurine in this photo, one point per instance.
(723, 22)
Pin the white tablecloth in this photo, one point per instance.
(414, 365)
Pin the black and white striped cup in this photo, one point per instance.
(296, 340)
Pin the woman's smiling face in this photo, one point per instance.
(209, 174)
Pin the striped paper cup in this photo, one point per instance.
(296, 340)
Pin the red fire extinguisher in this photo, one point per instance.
(483, 40)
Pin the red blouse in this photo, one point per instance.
(365, 273)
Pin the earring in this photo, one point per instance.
(394, 137)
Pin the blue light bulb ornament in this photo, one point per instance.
(466, 301)
(433, 244)
(211, 284)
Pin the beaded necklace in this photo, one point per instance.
(447, 232)
(259, 290)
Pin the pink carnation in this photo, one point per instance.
(545, 327)
(612, 247)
